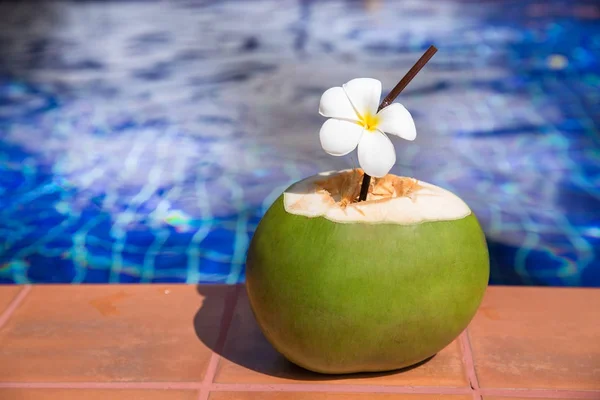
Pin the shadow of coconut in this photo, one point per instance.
(246, 353)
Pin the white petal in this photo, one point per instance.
(364, 93)
(335, 104)
(376, 154)
(339, 137)
(396, 120)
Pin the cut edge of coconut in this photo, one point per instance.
(423, 202)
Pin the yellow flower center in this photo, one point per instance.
(369, 121)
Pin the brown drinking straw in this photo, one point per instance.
(364, 189)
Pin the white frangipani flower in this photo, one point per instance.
(354, 121)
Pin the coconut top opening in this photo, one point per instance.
(391, 199)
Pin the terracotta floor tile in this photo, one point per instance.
(523, 398)
(538, 338)
(329, 396)
(7, 294)
(249, 358)
(96, 394)
(111, 333)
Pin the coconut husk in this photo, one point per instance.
(344, 188)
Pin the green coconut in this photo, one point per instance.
(341, 287)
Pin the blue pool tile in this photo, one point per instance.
(49, 270)
(158, 165)
(170, 260)
(220, 240)
(97, 276)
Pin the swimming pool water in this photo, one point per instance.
(143, 141)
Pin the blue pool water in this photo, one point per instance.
(142, 141)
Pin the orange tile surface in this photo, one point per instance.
(188, 342)
(329, 396)
(249, 358)
(522, 398)
(538, 338)
(96, 394)
(7, 294)
(111, 333)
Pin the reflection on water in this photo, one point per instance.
(142, 141)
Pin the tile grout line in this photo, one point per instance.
(543, 393)
(239, 387)
(335, 388)
(301, 387)
(101, 385)
(14, 304)
(203, 395)
(215, 357)
(469, 364)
